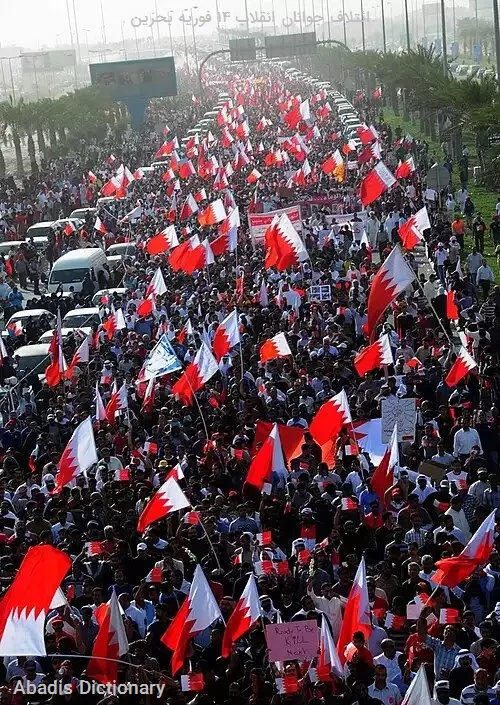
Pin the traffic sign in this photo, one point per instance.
(242, 49)
(437, 177)
(283, 45)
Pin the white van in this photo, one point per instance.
(32, 358)
(44, 228)
(70, 269)
(81, 213)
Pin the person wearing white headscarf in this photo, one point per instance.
(268, 609)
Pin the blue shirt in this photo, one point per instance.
(366, 498)
(246, 524)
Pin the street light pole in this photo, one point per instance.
(497, 36)
(363, 27)
(185, 45)
(195, 7)
(384, 39)
(123, 44)
(443, 38)
(343, 21)
(77, 36)
(407, 24)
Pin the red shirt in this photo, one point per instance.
(373, 521)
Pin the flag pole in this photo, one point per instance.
(434, 311)
(210, 543)
(199, 408)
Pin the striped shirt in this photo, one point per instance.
(444, 656)
(470, 692)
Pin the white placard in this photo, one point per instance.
(402, 412)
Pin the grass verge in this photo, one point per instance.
(483, 199)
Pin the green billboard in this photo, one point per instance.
(140, 78)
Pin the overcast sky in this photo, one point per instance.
(48, 20)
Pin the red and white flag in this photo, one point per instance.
(94, 548)
(275, 347)
(80, 453)
(394, 621)
(405, 169)
(110, 644)
(452, 571)
(392, 279)
(449, 616)
(193, 682)
(383, 476)
(82, 354)
(246, 612)
(375, 183)
(347, 504)
(226, 336)
(264, 538)
(330, 418)
(100, 411)
(267, 461)
(367, 134)
(198, 612)
(411, 232)
(185, 332)
(418, 693)
(328, 657)
(117, 402)
(157, 286)
(213, 214)
(134, 214)
(99, 226)
(332, 162)
(263, 297)
(189, 208)
(122, 475)
(114, 322)
(168, 498)
(150, 448)
(23, 609)
(283, 245)
(192, 518)
(357, 614)
(460, 368)
(69, 229)
(253, 176)
(196, 375)
(287, 685)
(374, 356)
(155, 575)
(91, 177)
(162, 242)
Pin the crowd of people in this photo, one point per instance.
(322, 512)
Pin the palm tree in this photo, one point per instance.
(3, 130)
(14, 121)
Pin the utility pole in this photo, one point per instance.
(497, 37)
(363, 27)
(384, 39)
(443, 37)
(407, 23)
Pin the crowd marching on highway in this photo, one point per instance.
(249, 412)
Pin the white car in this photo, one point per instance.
(79, 317)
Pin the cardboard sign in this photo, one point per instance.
(292, 640)
(259, 222)
(402, 412)
(433, 470)
(320, 292)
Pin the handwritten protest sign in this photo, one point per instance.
(292, 640)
